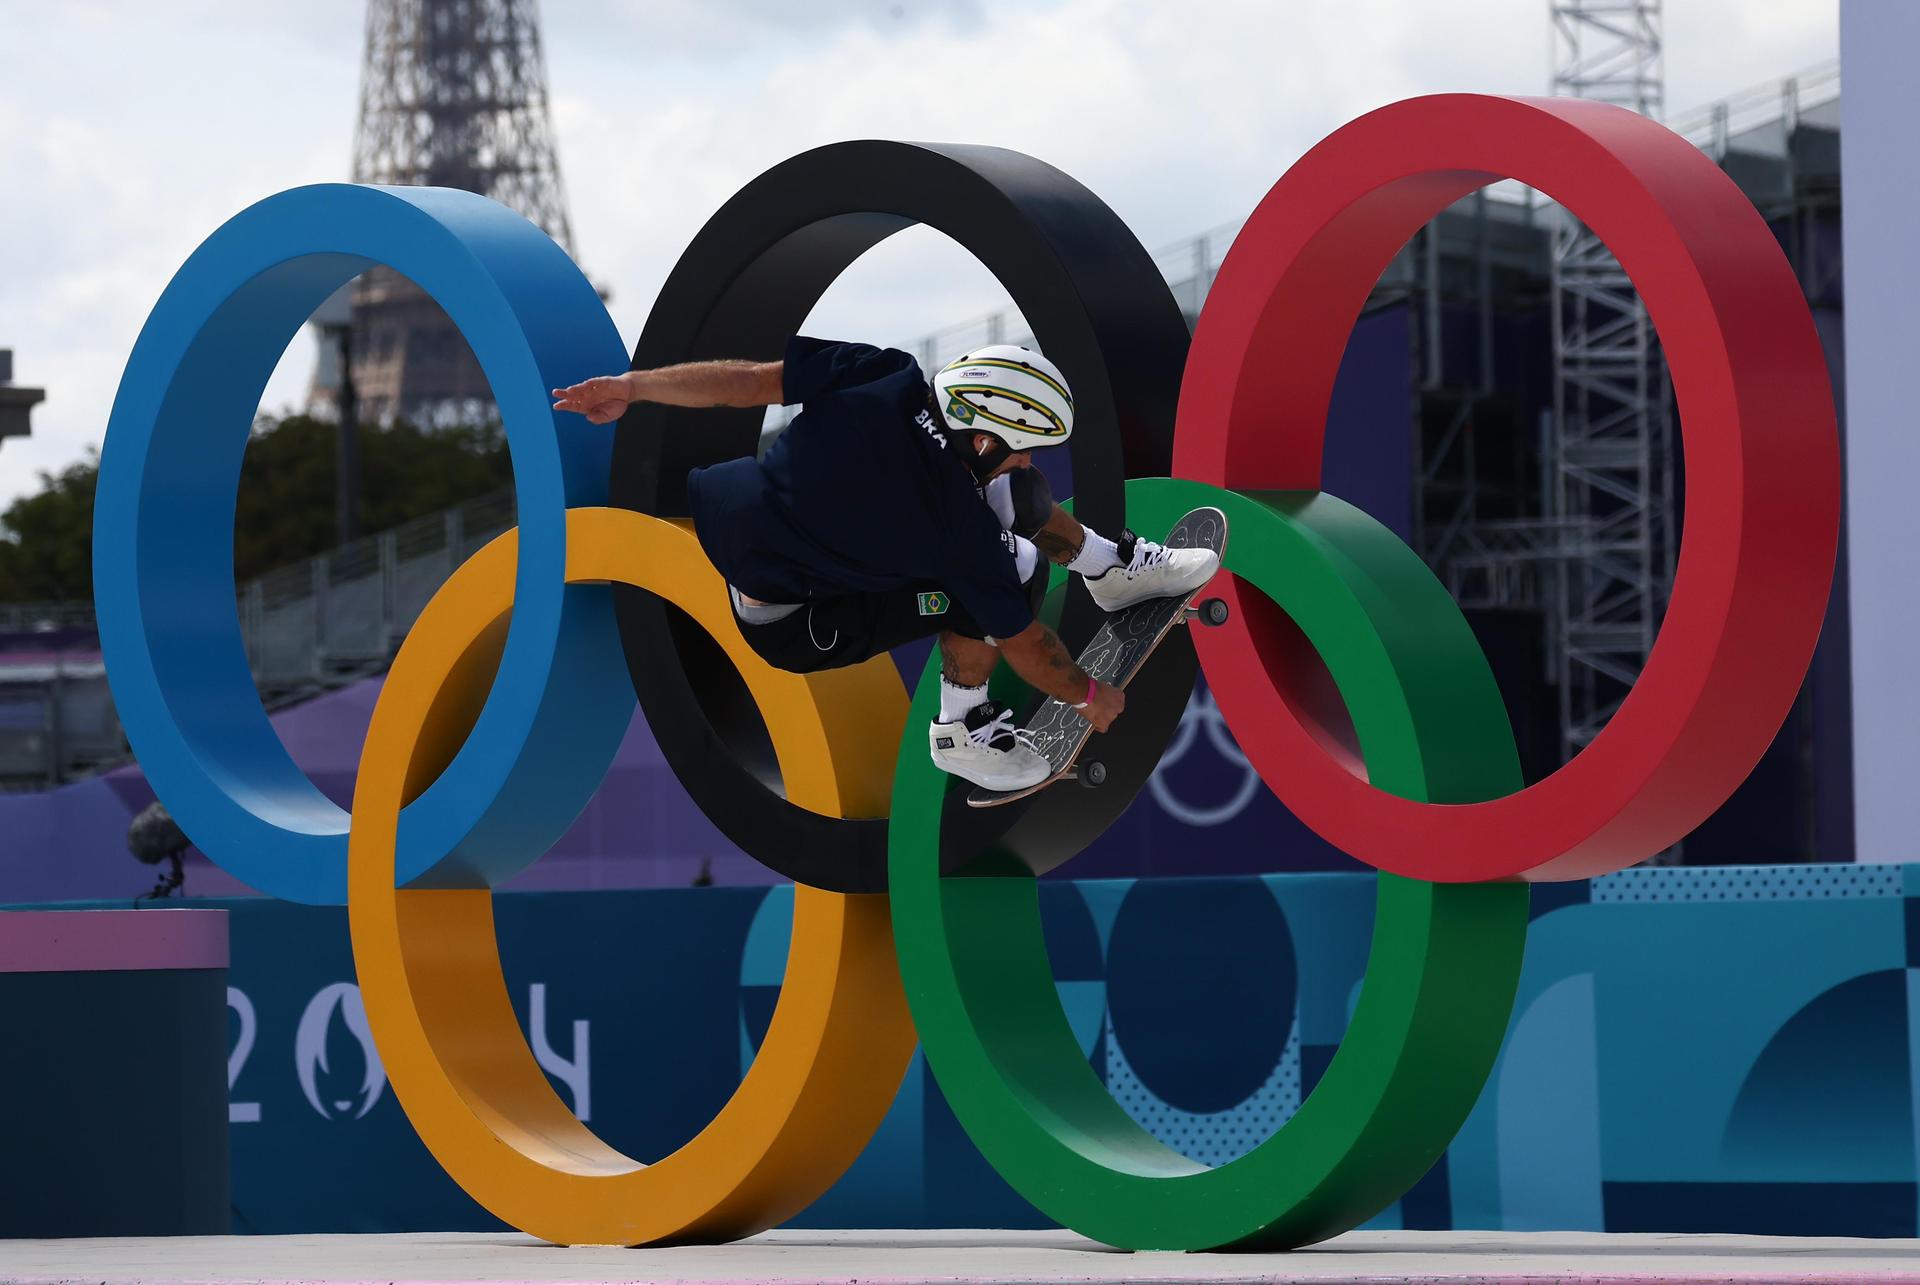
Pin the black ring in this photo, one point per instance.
(1099, 309)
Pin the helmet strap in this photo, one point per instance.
(983, 464)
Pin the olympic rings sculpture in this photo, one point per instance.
(1347, 673)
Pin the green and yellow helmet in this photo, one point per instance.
(1011, 392)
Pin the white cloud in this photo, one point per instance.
(128, 132)
(724, 30)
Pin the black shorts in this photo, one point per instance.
(829, 633)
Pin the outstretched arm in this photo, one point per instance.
(1038, 656)
(694, 383)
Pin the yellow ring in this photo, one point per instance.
(429, 965)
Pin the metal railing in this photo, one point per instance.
(1189, 266)
(341, 616)
(56, 715)
(57, 724)
(1762, 118)
(44, 617)
(307, 629)
(1757, 121)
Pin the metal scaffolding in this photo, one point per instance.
(453, 94)
(1610, 437)
(1610, 51)
(1477, 516)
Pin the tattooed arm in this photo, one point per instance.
(1037, 655)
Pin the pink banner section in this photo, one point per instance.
(95, 941)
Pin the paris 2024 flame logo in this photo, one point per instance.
(334, 1023)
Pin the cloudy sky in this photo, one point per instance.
(130, 129)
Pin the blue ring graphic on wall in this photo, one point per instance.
(163, 537)
(1203, 1021)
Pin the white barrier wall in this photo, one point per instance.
(1880, 194)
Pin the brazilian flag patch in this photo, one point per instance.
(933, 604)
(964, 413)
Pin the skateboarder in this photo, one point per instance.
(890, 509)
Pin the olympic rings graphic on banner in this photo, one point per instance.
(1347, 673)
(1202, 719)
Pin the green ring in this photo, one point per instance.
(1440, 977)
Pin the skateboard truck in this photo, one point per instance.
(1212, 612)
(1090, 775)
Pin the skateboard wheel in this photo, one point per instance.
(1214, 611)
(1092, 775)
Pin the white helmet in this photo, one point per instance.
(1011, 392)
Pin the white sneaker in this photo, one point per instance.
(988, 750)
(1151, 571)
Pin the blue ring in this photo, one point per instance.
(163, 538)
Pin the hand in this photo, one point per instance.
(1105, 707)
(601, 400)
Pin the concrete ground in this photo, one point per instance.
(989, 1257)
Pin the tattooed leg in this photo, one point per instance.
(1060, 537)
(967, 662)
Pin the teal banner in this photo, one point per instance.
(1725, 1049)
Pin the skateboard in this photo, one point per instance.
(1124, 643)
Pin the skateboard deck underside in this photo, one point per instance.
(1116, 653)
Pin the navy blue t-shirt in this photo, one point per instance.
(859, 494)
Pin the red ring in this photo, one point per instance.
(1757, 423)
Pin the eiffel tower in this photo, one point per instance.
(453, 93)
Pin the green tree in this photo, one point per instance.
(286, 506)
(285, 509)
(46, 539)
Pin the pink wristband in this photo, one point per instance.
(1092, 687)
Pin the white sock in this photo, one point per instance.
(957, 702)
(1097, 556)
(1026, 558)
